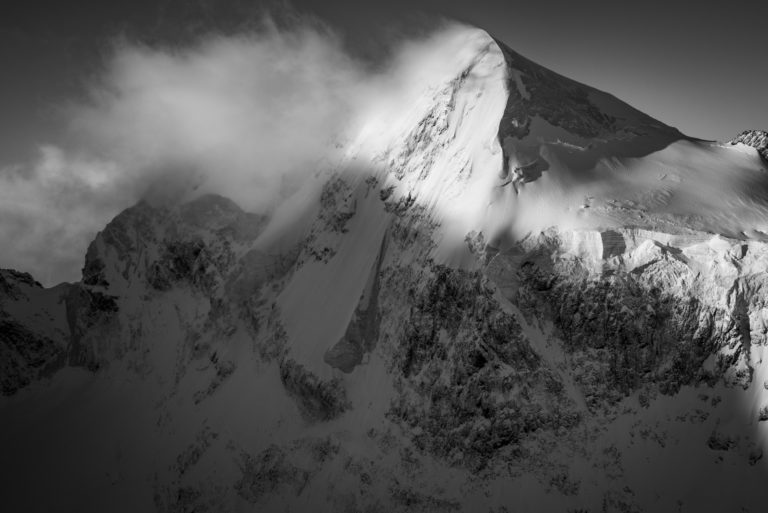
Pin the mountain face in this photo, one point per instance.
(523, 295)
(758, 139)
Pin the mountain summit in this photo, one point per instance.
(519, 293)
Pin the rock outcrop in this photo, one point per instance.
(758, 139)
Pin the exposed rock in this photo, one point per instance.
(91, 315)
(720, 442)
(33, 330)
(25, 356)
(194, 451)
(318, 400)
(180, 261)
(641, 321)
(345, 355)
(10, 281)
(471, 383)
(758, 139)
(266, 472)
(415, 500)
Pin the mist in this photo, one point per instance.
(248, 116)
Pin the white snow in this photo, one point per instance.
(318, 303)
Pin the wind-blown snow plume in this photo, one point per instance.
(248, 116)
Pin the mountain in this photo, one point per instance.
(758, 139)
(520, 294)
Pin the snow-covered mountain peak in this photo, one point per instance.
(510, 290)
(505, 147)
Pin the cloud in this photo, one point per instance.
(50, 210)
(241, 115)
(241, 110)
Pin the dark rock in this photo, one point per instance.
(758, 139)
(477, 385)
(345, 355)
(267, 472)
(86, 310)
(318, 400)
(181, 261)
(10, 281)
(25, 356)
(720, 442)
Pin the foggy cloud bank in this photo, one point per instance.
(247, 116)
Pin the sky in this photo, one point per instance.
(80, 83)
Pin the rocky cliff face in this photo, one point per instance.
(758, 139)
(437, 324)
(34, 338)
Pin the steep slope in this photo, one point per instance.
(34, 333)
(516, 294)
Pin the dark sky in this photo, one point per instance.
(699, 66)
